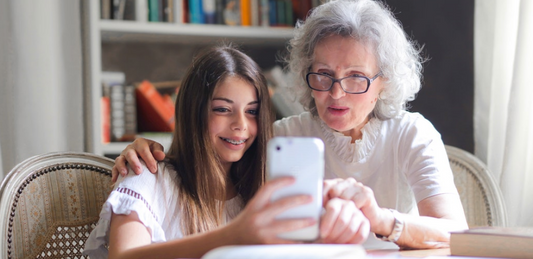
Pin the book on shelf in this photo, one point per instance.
(246, 19)
(255, 14)
(232, 12)
(209, 11)
(178, 11)
(219, 12)
(301, 8)
(105, 9)
(118, 9)
(154, 112)
(153, 11)
(130, 113)
(503, 242)
(279, 13)
(116, 99)
(141, 10)
(272, 9)
(264, 13)
(105, 121)
(170, 11)
(165, 11)
(283, 13)
(294, 251)
(120, 113)
(289, 15)
(129, 10)
(196, 12)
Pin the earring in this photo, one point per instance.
(312, 95)
(379, 96)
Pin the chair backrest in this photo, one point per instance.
(50, 203)
(481, 197)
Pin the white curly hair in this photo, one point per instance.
(369, 22)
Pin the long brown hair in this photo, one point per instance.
(200, 177)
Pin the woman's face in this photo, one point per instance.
(340, 57)
(233, 119)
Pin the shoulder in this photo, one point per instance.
(146, 181)
(295, 125)
(410, 125)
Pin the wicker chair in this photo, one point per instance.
(482, 199)
(50, 203)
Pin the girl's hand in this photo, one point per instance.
(257, 223)
(148, 150)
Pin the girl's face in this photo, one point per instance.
(233, 119)
(341, 57)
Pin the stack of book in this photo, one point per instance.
(128, 109)
(119, 109)
(280, 13)
(498, 242)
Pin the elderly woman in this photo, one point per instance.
(357, 70)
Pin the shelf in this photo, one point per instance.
(98, 32)
(115, 148)
(131, 31)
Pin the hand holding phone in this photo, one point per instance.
(303, 159)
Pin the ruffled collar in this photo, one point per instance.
(352, 152)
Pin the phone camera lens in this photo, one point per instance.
(278, 148)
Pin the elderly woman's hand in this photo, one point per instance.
(381, 221)
(343, 223)
(148, 150)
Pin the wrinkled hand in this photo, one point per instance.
(148, 150)
(343, 223)
(362, 196)
(256, 224)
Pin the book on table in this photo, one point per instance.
(503, 242)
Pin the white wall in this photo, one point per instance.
(41, 74)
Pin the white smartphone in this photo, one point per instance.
(303, 159)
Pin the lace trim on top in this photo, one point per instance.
(353, 152)
(136, 195)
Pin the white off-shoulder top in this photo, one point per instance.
(154, 198)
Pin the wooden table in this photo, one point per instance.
(409, 253)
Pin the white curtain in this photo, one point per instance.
(41, 79)
(503, 105)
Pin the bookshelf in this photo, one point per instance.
(100, 33)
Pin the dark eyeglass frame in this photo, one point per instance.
(334, 80)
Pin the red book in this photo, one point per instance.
(153, 110)
(105, 117)
(301, 8)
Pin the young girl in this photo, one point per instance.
(215, 165)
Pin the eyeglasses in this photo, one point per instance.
(354, 84)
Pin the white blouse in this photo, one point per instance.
(154, 198)
(403, 159)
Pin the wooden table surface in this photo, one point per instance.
(410, 253)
